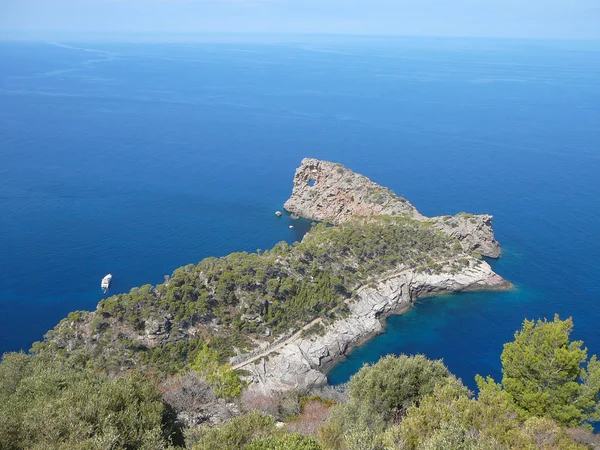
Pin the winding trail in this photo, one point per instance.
(279, 346)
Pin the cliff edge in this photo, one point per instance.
(302, 362)
(329, 192)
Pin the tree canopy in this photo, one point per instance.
(547, 374)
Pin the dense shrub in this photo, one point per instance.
(52, 404)
(235, 434)
(394, 384)
(284, 442)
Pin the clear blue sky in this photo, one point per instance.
(489, 18)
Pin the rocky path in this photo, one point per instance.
(279, 346)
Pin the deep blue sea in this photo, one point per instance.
(135, 159)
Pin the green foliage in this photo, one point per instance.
(316, 329)
(221, 377)
(403, 403)
(249, 294)
(235, 434)
(171, 357)
(52, 404)
(453, 436)
(379, 395)
(448, 419)
(411, 403)
(284, 442)
(394, 384)
(352, 423)
(543, 372)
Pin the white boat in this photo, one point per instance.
(106, 282)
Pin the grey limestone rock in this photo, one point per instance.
(329, 192)
(303, 362)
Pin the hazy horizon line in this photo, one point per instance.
(234, 36)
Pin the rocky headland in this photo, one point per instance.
(329, 192)
(285, 316)
(302, 363)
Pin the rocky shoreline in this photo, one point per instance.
(303, 363)
(286, 316)
(329, 192)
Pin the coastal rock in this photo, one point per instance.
(474, 232)
(303, 362)
(329, 192)
(125, 326)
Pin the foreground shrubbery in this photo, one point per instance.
(548, 396)
(49, 404)
(394, 406)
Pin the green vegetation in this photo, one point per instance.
(149, 369)
(549, 387)
(394, 384)
(411, 403)
(543, 372)
(53, 404)
(316, 329)
(285, 442)
(224, 381)
(231, 302)
(252, 431)
(235, 434)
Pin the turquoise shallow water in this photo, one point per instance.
(135, 159)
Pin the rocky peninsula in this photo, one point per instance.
(285, 316)
(329, 192)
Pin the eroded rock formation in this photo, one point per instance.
(327, 191)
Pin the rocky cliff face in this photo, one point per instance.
(329, 192)
(303, 362)
(401, 260)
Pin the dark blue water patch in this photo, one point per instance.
(466, 330)
(442, 328)
(137, 159)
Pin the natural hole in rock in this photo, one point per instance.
(312, 182)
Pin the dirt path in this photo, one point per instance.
(279, 346)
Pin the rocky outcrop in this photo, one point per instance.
(474, 232)
(303, 362)
(327, 191)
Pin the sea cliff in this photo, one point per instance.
(286, 315)
(327, 191)
(303, 362)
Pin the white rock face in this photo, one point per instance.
(329, 192)
(303, 362)
(326, 191)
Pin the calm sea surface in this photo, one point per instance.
(135, 159)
